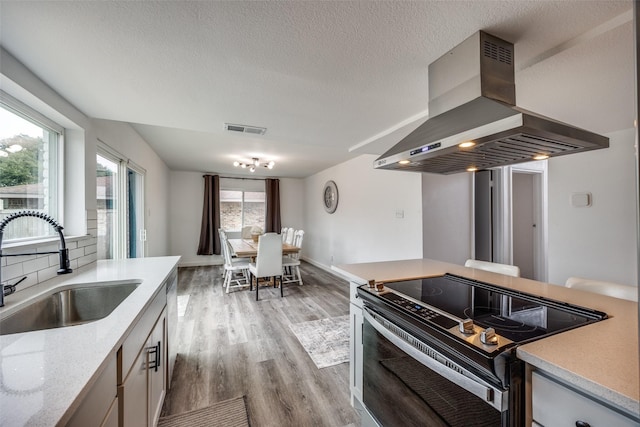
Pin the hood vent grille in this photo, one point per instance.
(513, 149)
(497, 53)
(472, 100)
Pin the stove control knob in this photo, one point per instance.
(466, 326)
(372, 283)
(379, 286)
(489, 337)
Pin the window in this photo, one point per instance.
(29, 161)
(241, 208)
(107, 207)
(120, 207)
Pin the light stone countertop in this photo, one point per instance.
(44, 375)
(601, 358)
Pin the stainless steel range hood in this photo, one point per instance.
(472, 100)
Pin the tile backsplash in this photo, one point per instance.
(40, 267)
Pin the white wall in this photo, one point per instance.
(126, 141)
(185, 211)
(447, 208)
(597, 242)
(364, 228)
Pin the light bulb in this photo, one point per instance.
(236, 163)
(252, 169)
(270, 165)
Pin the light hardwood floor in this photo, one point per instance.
(231, 345)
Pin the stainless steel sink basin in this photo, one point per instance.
(69, 307)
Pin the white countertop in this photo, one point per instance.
(45, 374)
(601, 358)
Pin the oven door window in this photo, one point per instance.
(400, 391)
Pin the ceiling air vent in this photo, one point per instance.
(255, 130)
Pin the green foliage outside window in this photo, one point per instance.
(20, 167)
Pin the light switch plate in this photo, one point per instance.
(580, 200)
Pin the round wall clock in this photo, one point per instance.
(330, 197)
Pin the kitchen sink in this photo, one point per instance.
(73, 306)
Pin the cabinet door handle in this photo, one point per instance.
(582, 424)
(155, 350)
(159, 355)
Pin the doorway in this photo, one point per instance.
(511, 217)
(120, 207)
(524, 223)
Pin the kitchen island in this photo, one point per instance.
(599, 360)
(47, 375)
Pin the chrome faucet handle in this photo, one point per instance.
(9, 289)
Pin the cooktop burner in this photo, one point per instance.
(447, 300)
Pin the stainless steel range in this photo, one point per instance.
(440, 351)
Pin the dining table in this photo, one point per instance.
(247, 248)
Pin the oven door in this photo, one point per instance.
(406, 383)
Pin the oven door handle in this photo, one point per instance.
(491, 395)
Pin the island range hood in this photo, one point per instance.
(474, 123)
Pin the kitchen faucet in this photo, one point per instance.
(63, 251)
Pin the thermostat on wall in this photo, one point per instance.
(580, 200)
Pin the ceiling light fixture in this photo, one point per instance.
(540, 157)
(253, 164)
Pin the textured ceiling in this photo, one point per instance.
(330, 80)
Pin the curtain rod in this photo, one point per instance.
(235, 177)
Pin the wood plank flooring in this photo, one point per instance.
(231, 345)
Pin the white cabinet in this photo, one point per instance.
(96, 407)
(555, 404)
(142, 371)
(355, 344)
(156, 368)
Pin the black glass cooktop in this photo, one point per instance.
(516, 316)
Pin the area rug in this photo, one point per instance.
(325, 340)
(228, 413)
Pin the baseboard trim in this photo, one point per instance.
(324, 267)
(200, 263)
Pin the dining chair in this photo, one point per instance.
(291, 262)
(288, 238)
(246, 232)
(268, 261)
(506, 269)
(283, 233)
(610, 289)
(223, 239)
(233, 268)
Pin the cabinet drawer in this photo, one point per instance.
(556, 405)
(138, 336)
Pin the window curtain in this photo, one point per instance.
(272, 220)
(209, 236)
